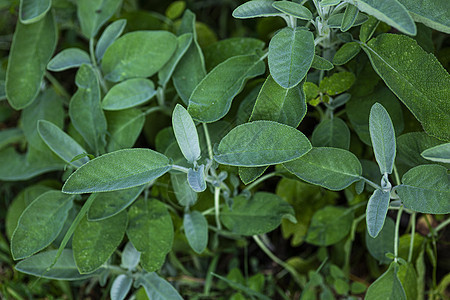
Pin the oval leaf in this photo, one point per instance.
(111, 33)
(293, 9)
(68, 58)
(196, 179)
(331, 133)
(138, 54)
(432, 13)
(92, 14)
(321, 63)
(291, 53)
(117, 170)
(332, 168)
(256, 8)
(346, 53)
(196, 230)
(186, 133)
(130, 257)
(387, 286)
(120, 287)
(376, 212)
(157, 288)
(261, 143)
(349, 19)
(129, 93)
(426, 189)
(440, 153)
(40, 223)
(211, 99)
(184, 42)
(31, 11)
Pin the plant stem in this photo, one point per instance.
(59, 88)
(208, 140)
(442, 225)
(397, 177)
(397, 229)
(261, 179)
(413, 232)
(217, 206)
(180, 168)
(371, 183)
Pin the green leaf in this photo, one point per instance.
(150, 229)
(337, 83)
(109, 35)
(196, 179)
(157, 288)
(335, 21)
(31, 11)
(349, 19)
(94, 242)
(61, 143)
(440, 153)
(325, 3)
(331, 168)
(190, 69)
(186, 133)
(64, 269)
(196, 230)
(387, 286)
(276, 103)
(31, 49)
(85, 109)
(260, 214)
(382, 136)
(261, 143)
(383, 243)
(329, 225)
(92, 14)
(432, 13)
(346, 53)
(185, 195)
(109, 204)
(129, 93)
(250, 174)
(124, 128)
(411, 144)
(117, 170)
(130, 257)
(331, 133)
(293, 9)
(391, 12)
(376, 212)
(256, 8)
(291, 53)
(68, 58)
(40, 223)
(138, 54)
(238, 286)
(425, 189)
(184, 42)
(416, 77)
(224, 82)
(407, 276)
(368, 29)
(321, 63)
(121, 287)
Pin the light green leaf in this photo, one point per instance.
(31, 49)
(130, 257)
(332, 168)
(211, 99)
(40, 223)
(196, 179)
(92, 14)
(321, 63)
(432, 13)
(121, 287)
(31, 11)
(383, 243)
(124, 128)
(329, 225)
(109, 204)
(256, 8)
(138, 54)
(391, 12)
(157, 288)
(291, 53)
(64, 269)
(85, 109)
(376, 212)
(335, 21)
(261, 143)
(440, 153)
(260, 214)
(337, 83)
(416, 77)
(190, 70)
(250, 174)
(426, 189)
(196, 230)
(186, 133)
(382, 136)
(185, 195)
(151, 231)
(293, 9)
(349, 19)
(117, 170)
(275, 103)
(68, 58)
(111, 33)
(325, 3)
(129, 93)
(94, 242)
(184, 42)
(331, 133)
(387, 286)
(407, 276)
(346, 53)
(61, 143)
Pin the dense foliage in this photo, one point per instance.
(224, 149)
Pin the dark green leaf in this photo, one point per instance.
(124, 128)
(383, 243)
(196, 230)
(293, 9)
(321, 63)
(387, 286)
(368, 29)
(250, 174)
(111, 33)
(432, 13)
(331, 133)
(346, 53)
(157, 288)
(349, 19)
(185, 133)
(92, 14)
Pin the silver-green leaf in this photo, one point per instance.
(196, 230)
(68, 58)
(186, 133)
(377, 208)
